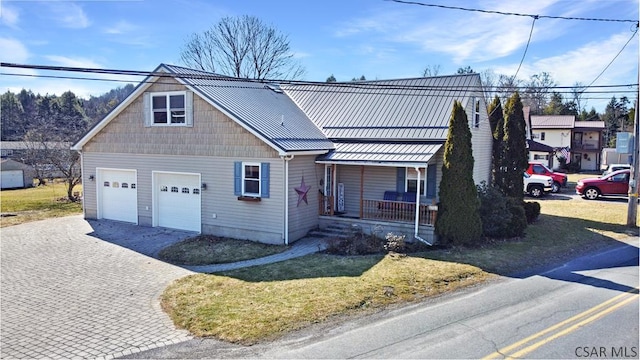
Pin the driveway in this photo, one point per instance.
(77, 289)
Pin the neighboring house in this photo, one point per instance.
(580, 142)
(232, 157)
(22, 150)
(15, 175)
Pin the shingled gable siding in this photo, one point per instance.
(210, 148)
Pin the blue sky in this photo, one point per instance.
(347, 38)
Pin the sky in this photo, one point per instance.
(379, 39)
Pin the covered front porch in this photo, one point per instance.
(374, 185)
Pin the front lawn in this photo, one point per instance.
(37, 203)
(260, 303)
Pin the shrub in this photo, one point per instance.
(494, 213)
(357, 244)
(518, 222)
(394, 243)
(532, 211)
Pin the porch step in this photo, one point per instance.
(334, 230)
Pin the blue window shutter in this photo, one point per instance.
(264, 180)
(237, 178)
(146, 100)
(400, 179)
(431, 181)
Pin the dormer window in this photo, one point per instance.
(168, 108)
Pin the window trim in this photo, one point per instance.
(259, 179)
(476, 112)
(167, 95)
(423, 179)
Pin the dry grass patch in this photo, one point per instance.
(261, 303)
(254, 304)
(209, 249)
(37, 203)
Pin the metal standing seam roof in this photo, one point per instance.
(264, 109)
(590, 124)
(405, 109)
(552, 121)
(375, 153)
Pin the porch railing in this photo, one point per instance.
(385, 210)
(398, 211)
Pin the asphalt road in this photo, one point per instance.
(587, 308)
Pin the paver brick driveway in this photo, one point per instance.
(69, 291)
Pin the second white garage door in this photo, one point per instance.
(177, 201)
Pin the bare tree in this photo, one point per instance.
(242, 47)
(488, 78)
(576, 95)
(538, 92)
(431, 70)
(507, 86)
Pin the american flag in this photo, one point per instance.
(564, 152)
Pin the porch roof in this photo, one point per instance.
(380, 154)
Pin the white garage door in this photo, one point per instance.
(12, 179)
(118, 195)
(177, 201)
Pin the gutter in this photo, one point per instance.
(417, 223)
(285, 228)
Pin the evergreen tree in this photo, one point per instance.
(458, 219)
(496, 121)
(331, 79)
(12, 113)
(515, 149)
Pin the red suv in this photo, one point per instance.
(559, 179)
(616, 183)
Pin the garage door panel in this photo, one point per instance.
(178, 201)
(118, 195)
(12, 179)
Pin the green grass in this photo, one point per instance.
(37, 203)
(208, 249)
(262, 303)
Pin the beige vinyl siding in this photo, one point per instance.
(303, 217)
(212, 134)
(260, 221)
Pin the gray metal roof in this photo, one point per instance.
(377, 153)
(552, 121)
(262, 108)
(405, 109)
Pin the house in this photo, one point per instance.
(580, 142)
(15, 175)
(538, 152)
(268, 162)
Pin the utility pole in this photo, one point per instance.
(632, 209)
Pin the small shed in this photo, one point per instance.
(15, 175)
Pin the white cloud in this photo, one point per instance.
(72, 62)
(9, 16)
(69, 15)
(13, 50)
(120, 28)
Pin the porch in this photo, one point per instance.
(384, 210)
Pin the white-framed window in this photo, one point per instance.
(476, 112)
(251, 179)
(411, 182)
(168, 108)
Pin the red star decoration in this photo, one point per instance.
(302, 191)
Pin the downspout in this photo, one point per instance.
(285, 229)
(417, 224)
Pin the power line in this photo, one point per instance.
(371, 85)
(526, 47)
(511, 13)
(614, 58)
